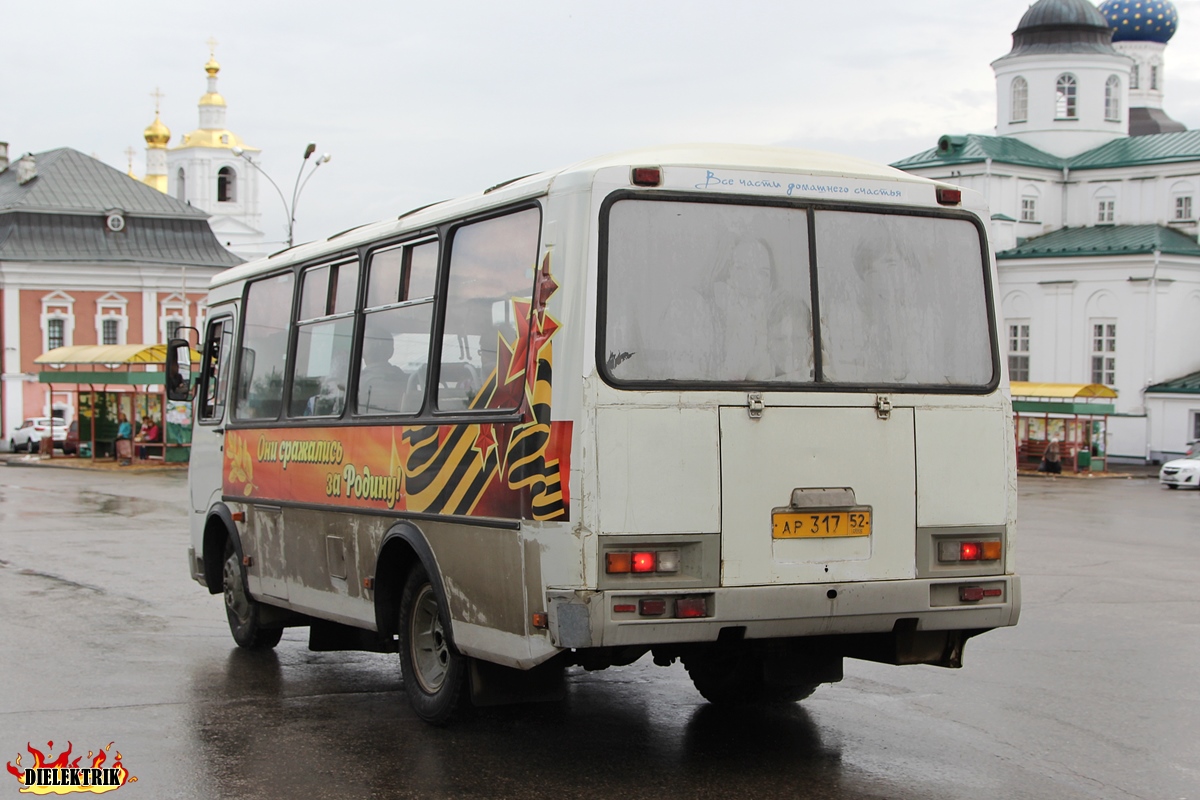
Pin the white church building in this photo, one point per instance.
(208, 170)
(1093, 192)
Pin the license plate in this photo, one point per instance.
(819, 523)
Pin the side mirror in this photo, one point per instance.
(180, 385)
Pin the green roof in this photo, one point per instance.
(1188, 384)
(1158, 148)
(974, 148)
(1105, 240)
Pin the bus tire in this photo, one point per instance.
(435, 674)
(736, 677)
(242, 610)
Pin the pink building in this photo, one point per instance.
(89, 255)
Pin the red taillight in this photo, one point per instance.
(38, 428)
(968, 551)
(646, 176)
(949, 197)
(652, 607)
(691, 607)
(973, 594)
(624, 608)
(643, 562)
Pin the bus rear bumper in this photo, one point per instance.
(585, 618)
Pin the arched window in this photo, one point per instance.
(1135, 76)
(1020, 100)
(181, 185)
(1064, 100)
(1154, 77)
(1112, 99)
(226, 185)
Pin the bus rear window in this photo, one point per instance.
(710, 293)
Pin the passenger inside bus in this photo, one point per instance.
(381, 384)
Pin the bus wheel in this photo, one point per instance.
(434, 673)
(242, 610)
(736, 677)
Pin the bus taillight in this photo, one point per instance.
(646, 176)
(949, 197)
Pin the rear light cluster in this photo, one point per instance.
(684, 607)
(973, 594)
(951, 552)
(641, 562)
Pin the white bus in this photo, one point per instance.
(737, 406)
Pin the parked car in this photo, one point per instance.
(28, 437)
(1181, 472)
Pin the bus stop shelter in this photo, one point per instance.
(1073, 414)
(109, 380)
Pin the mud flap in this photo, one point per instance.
(494, 685)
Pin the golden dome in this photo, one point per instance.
(156, 134)
(212, 99)
(212, 67)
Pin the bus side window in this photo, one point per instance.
(492, 263)
(263, 353)
(321, 366)
(397, 325)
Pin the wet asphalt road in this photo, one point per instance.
(103, 638)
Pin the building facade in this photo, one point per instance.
(89, 255)
(1093, 190)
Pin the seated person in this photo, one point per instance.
(381, 384)
(149, 433)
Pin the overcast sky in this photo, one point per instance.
(418, 102)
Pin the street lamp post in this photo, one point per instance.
(297, 188)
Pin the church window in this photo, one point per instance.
(1106, 212)
(1104, 352)
(1112, 99)
(1183, 207)
(1028, 209)
(55, 333)
(226, 185)
(1135, 76)
(181, 185)
(1018, 350)
(1065, 96)
(1020, 100)
(1154, 77)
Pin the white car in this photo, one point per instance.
(1181, 472)
(28, 437)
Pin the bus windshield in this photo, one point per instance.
(712, 293)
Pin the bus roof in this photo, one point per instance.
(752, 158)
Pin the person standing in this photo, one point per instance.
(124, 443)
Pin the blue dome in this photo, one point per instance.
(1141, 20)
